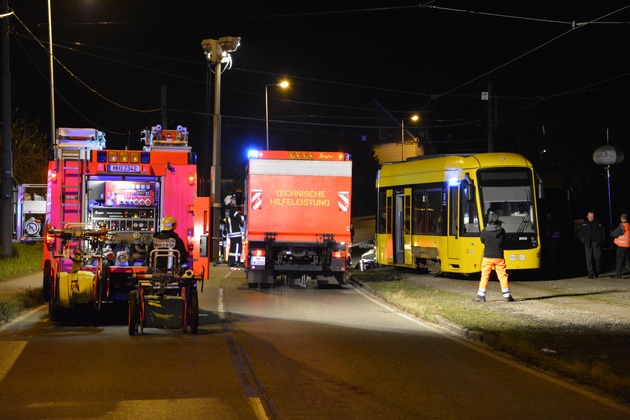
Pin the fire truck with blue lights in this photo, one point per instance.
(297, 217)
(103, 207)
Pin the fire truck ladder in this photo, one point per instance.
(72, 168)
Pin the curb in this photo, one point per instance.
(474, 335)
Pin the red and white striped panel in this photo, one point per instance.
(255, 199)
(344, 200)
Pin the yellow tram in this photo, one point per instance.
(431, 211)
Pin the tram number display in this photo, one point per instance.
(123, 168)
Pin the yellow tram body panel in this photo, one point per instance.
(431, 211)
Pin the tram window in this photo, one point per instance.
(389, 216)
(428, 212)
(435, 212)
(382, 211)
(469, 216)
(514, 204)
(452, 192)
(419, 204)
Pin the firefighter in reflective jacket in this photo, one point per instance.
(622, 240)
(168, 238)
(234, 221)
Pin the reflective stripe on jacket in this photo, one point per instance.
(623, 240)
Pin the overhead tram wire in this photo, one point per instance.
(572, 23)
(102, 96)
(433, 96)
(573, 28)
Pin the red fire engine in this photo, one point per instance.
(103, 207)
(298, 223)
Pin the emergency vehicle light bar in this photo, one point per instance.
(298, 155)
(122, 156)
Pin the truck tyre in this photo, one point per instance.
(54, 313)
(102, 285)
(46, 285)
(194, 313)
(133, 313)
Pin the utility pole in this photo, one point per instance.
(6, 231)
(492, 123)
(217, 52)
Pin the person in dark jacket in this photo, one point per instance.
(169, 239)
(492, 238)
(622, 240)
(592, 235)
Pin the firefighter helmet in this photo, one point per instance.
(168, 223)
(228, 199)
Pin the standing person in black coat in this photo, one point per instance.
(492, 238)
(592, 235)
(235, 221)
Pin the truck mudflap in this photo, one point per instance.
(264, 278)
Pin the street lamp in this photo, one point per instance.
(216, 53)
(414, 118)
(283, 84)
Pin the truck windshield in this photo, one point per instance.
(509, 193)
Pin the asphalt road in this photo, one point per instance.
(285, 352)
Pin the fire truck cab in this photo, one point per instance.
(103, 207)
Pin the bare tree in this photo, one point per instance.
(30, 152)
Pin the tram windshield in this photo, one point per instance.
(510, 194)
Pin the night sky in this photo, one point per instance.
(561, 82)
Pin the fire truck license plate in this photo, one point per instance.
(123, 168)
(258, 260)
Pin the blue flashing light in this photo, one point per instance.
(101, 156)
(453, 181)
(145, 157)
(252, 154)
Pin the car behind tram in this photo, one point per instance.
(431, 211)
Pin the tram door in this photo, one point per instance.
(402, 227)
(453, 227)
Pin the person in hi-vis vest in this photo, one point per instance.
(622, 240)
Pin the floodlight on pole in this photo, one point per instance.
(216, 53)
(53, 133)
(283, 84)
(414, 118)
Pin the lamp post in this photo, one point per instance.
(216, 53)
(52, 81)
(414, 117)
(608, 155)
(283, 84)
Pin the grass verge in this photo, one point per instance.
(27, 259)
(23, 300)
(510, 333)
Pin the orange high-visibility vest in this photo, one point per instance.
(624, 239)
